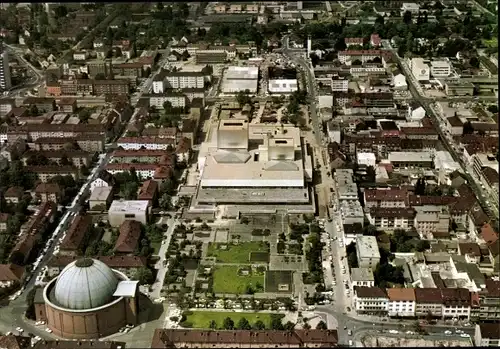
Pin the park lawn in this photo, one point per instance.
(156, 247)
(227, 280)
(202, 319)
(493, 42)
(239, 254)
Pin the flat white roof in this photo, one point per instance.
(126, 289)
(410, 156)
(128, 206)
(367, 246)
(242, 73)
(444, 160)
(267, 174)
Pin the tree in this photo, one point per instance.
(228, 324)
(243, 324)
(370, 174)
(321, 326)
(129, 190)
(467, 128)
(493, 108)
(420, 186)
(243, 97)
(276, 323)
(289, 326)
(212, 325)
(33, 110)
(429, 317)
(60, 11)
(144, 276)
(259, 325)
(166, 202)
(306, 326)
(407, 18)
(160, 6)
(474, 62)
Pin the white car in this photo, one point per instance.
(393, 332)
(447, 332)
(48, 330)
(19, 329)
(465, 335)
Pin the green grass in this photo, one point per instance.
(493, 42)
(235, 253)
(227, 280)
(156, 246)
(201, 319)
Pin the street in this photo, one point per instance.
(161, 266)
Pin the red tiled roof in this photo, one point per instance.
(393, 194)
(128, 240)
(489, 234)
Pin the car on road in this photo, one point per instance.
(19, 329)
(349, 332)
(393, 332)
(447, 332)
(465, 335)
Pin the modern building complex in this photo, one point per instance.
(88, 300)
(420, 70)
(250, 164)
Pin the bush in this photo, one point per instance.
(174, 318)
(186, 324)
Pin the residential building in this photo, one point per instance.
(91, 143)
(111, 87)
(5, 76)
(150, 143)
(77, 236)
(43, 104)
(428, 301)
(10, 276)
(101, 198)
(411, 159)
(384, 218)
(104, 179)
(456, 303)
(13, 195)
(142, 156)
(180, 338)
(77, 158)
(122, 210)
(367, 251)
(351, 212)
(4, 217)
(126, 264)
(370, 300)
(487, 335)
(432, 221)
(385, 198)
(128, 240)
(149, 191)
(362, 277)
(143, 171)
(49, 192)
(184, 79)
(347, 57)
(401, 302)
(489, 300)
(45, 173)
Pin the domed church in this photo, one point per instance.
(88, 300)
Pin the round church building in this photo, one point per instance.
(89, 300)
